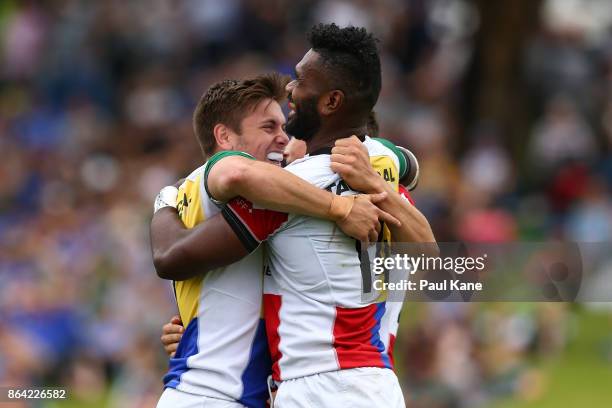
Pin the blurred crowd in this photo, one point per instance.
(96, 101)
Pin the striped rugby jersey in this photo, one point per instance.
(223, 352)
(316, 317)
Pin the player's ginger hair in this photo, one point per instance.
(230, 101)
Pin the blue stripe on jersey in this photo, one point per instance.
(186, 348)
(255, 376)
(376, 341)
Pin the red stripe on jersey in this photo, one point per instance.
(353, 337)
(258, 222)
(404, 192)
(390, 350)
(272, 305)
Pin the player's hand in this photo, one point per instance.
(363, 222)
(172, 332)
(351, 160)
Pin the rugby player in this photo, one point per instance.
(328, 348)
(223, 360)
(295, 149)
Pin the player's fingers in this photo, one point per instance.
(168, 339)
(176, 337)
(388, 218)
(176, 319)
(171, 349)
(342, 158)
(170, 328)
(373, 235)
(340, 168)
(345, 141)
(375, 231)
(349, 149)
(378, 197)
(348, 141)
(340, 150)
(167, 328)
(353, 143)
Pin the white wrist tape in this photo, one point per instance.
(165, 198)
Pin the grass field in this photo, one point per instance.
(582, 375)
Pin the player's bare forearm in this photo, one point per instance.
(180, 253)
(267, 186)
(273, 188)
(352, 161)
(414, 226)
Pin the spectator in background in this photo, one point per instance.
(561, 135)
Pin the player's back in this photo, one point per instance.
(223, 352)
(322, 314)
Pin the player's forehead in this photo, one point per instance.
(267, 110)
(309, 64)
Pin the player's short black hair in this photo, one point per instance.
(350, 55)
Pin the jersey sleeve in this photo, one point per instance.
(214, 160)
(405, 194)
(401, 156)
(252, 225)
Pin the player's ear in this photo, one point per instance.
(223, 136)
(331, 102)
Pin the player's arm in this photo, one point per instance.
(419, 232)
(351, 160)
(415, 227)
(180, 253)
(233, 174)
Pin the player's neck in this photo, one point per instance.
(327, 138)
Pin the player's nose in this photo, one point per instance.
(282, 139)
(289, 88)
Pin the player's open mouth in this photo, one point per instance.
(275, 157)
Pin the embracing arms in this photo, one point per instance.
(180, 253)
(350, 159)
